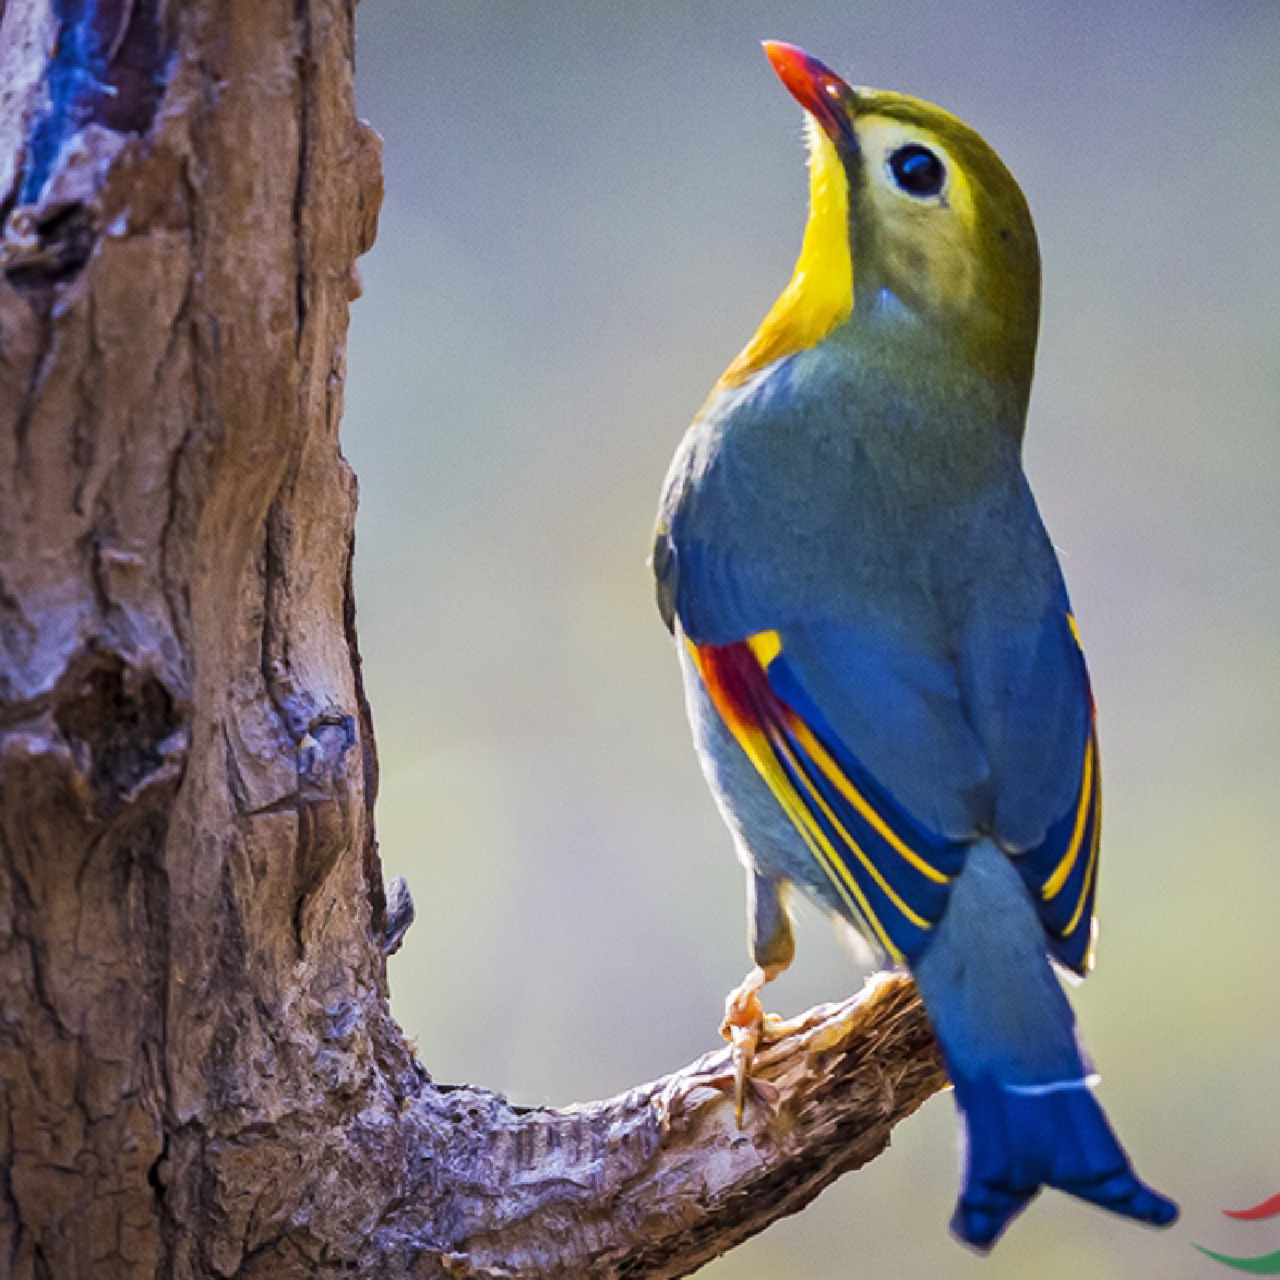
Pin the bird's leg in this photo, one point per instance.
(773, 947)
(743, 1023)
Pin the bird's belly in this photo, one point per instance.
(766, 839)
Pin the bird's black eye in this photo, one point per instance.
(917, 170)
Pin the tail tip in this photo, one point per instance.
(1020, 1139)
(980, 1225)
(1125, 1193)
(1146, 1205)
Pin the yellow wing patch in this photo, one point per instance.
(890, 876)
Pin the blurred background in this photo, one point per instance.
(589, 208)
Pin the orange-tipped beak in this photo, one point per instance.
(816, 88)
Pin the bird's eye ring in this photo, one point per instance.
(917, 171)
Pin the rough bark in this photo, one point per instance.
(201, 1077)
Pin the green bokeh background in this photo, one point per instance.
(589, 208)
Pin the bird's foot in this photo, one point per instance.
(743, 1026)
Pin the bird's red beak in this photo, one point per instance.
(816, 88)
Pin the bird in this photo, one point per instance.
(882, 670)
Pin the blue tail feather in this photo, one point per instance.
(1018, 1140)
(1008, 1036)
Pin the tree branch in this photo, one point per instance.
(660, 1180)
(201, 1076)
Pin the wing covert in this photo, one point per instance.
(1062, 872)
(891, 872)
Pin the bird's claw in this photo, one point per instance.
(743, 1025)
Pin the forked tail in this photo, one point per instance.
(1020, 1138)
(1008, 1035)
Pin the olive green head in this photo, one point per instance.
(918, 215)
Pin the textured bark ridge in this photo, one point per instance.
(200, 1074)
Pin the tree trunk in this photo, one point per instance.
(201, 1077)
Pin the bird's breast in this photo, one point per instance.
(839, 483)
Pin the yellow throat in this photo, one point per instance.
(819, 295)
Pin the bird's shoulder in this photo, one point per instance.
(824, 484)
(733, 486)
